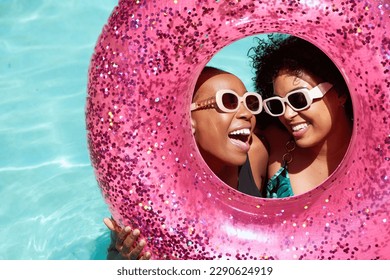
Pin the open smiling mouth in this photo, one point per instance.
(299, 127)
(240, 135)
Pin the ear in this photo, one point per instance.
(193, 126)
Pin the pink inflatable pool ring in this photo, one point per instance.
(151, 175)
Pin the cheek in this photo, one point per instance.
(322, 118)
(253, 122)
(220, 121)
(212, 125)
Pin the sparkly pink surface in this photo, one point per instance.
(151, 175)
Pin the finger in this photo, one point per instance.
(108, 222)
(121, 237)
(146, 256)
(135, 253)
(129, 242)
(112, 225)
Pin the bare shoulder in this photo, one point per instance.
(258, 144)
(258, 151)
(258, 157)
(277, 139)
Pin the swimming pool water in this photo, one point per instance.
(51, 206)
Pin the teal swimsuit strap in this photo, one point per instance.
(279, 185)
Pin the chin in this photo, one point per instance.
(235, 160)
(240, 160)
(302, 143)
(306, 143)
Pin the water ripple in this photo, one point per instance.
(62, 163)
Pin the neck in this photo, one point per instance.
(227, 173)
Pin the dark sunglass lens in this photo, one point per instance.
(275, 106)
(229, 100)
(297, 100)
(252, 102)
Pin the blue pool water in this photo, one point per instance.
(51, 206)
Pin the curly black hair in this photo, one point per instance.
(294, 55)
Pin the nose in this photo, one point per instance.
(243, 112)
(289, 112)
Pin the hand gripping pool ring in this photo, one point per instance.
(148, 167)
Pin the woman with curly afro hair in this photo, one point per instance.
(304, 91)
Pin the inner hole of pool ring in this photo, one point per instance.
(225, 66)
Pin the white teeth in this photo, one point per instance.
(299, 126)
(244, 131)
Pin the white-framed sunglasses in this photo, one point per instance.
(229, 101)
(298, 100)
